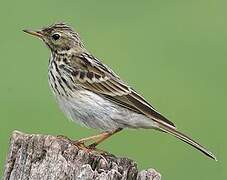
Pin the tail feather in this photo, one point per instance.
(186, 139)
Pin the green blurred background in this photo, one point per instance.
(173, 52)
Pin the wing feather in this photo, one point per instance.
(96, 77)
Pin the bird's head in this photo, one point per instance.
(58, 37)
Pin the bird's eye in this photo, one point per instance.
(56, 36)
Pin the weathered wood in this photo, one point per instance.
(42, 157)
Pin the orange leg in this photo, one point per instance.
(103, 136)
(90, 138)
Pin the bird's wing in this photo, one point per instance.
(98, 78)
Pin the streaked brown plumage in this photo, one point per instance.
(91, 93)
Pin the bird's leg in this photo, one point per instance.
(81, 142)
(90, 138)
(97, 138)
(103, 137)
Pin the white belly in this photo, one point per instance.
(93, 111)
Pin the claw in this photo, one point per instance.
(79, 144)
(92, 146)
(89, 148)
(64, 137)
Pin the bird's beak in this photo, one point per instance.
(38, 34)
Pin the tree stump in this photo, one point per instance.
(42, 157)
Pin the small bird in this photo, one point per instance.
(90, 93)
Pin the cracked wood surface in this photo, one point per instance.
(42, 157)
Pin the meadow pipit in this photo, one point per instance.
(90, 93)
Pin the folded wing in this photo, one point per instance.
(98, 78)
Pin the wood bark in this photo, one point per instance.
(46, 157)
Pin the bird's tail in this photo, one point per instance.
(186, 139)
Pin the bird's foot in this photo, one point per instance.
(80, 145)
(93, 148)
(64, 137)
(77, 143)
(90, 148)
